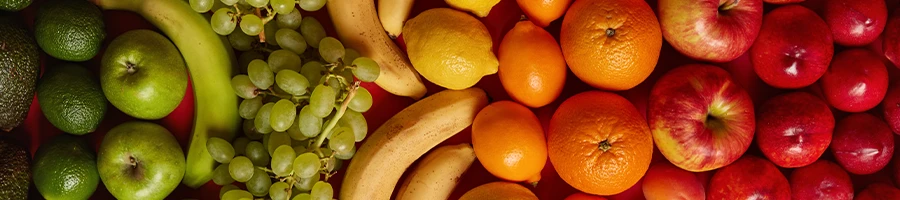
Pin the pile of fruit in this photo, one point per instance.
(454, 99)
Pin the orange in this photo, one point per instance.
(542, 12)
(611, 44)
(532, 68)
(599, 143)
(499, 191)
(583, 196)
(509, 141)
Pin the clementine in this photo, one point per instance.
(499, 191)
(532, 68)
(542, 12)
(611, 44)
(509, 141)
(583, 196)
(599, 143)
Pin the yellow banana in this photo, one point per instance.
(358, 27)
(437, 173)
(393, 147)
(393, 14)
(209, 62)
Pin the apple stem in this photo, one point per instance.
(130, 67)
(729, 5)
(604, 145)
(340, 113)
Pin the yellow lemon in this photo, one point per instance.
(449, 48)
(477, 7)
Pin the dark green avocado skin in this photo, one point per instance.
(19, 66)
(15, 170)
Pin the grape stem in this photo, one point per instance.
(262, 33)
(340, 113)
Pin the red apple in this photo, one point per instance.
(700, 119)
(857, 81)
(891, 42)
(821, 180)
(794, 129)
(750, 177)
(793, 49)
(855, 22)
(878, 191)
(782, 1)
(863, 144)
(665, 181)
(891, 107)
(710, 30)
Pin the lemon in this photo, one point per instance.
(477, 7)
(449, 48)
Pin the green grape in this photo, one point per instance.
(201, 6)
(260, 74)
(278, 191)
(312, 5)
(331, 49)
(335, 129)
(258, 185)
(330, 162)
(306, 184)
(261, 122)
(283, 6)
(284, 59)
(366, 69)
(347, 75)
(241, 169)
(222, 22)
(221, 175)
(322, 191)
(310, 124)
(240, 145)
(299, 149)
(291, 40)
(246, 57)
(277, 139)
(321, 101)
(350, 55)
(362, 101)
(312, 31)
(283, 113)
(292, 82)
(243, 87)
(356, 122)
(333, 82)
(229, 2)
(289, 21)
(294, 132)
(270, 29)
(345, 155)
(303, 196)
(251, 24)
(227, 188)
(282, 160)
(219, 149)
(241, 41)
(342, 141)
(256, 152)
(248, 107)
(237, 194)
(313, 70)
(307, 165)
(258, 3)
(250, 130)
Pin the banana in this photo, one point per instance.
(210, 65)
(358, 27)
(393, 14)
(437, 173)
(393, 147)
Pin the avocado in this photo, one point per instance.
(15, 172)
(19, 66)
(14, 5)
(70, 30)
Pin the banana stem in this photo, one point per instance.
(338, 115)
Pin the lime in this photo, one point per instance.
(70, 30)
(65, 168)
(71, 99)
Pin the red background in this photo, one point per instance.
(502, 18)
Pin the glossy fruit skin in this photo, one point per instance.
(782, 1)
(794, 129)
(599, 143)
(863, 144)
(878, 191)
(855, 23)
(666, 181)
(66, 168)
(857, 81)
(493, 129)
(891, 107)
(701, 120)
(747, 178)
(154, 166)
(711, 30)
(499, 190)
(532, 67)
(793, 49)
(822, 179)
(583, 196)
(611, 45)
(542, 12)
(891, 43)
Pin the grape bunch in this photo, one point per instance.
(253, 17)
(301, 119)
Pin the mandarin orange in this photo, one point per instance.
(532, 68)
(542, 12)
(509, 141)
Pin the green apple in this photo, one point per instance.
(140, 160)
(143, 74)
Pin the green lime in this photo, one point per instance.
(71, 99)
(70, 30)
(14, 5)
(65, 168)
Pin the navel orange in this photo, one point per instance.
(509, 141)
(583, 196)
(542, 12)
(499, 191)
(599, 143)
(532, 68)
